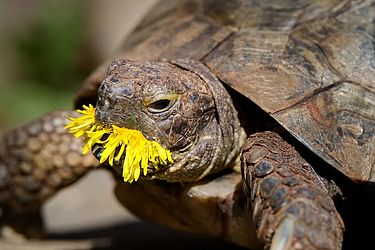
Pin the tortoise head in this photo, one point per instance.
(182, 106)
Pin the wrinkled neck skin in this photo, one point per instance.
(179, 104)
(220, 142)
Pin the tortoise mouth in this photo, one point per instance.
(97, 150)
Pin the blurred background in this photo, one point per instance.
(47, 49)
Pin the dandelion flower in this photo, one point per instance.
(139, 152)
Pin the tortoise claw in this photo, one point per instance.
(283, 234)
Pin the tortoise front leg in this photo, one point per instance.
(36, 161)
(290, 205)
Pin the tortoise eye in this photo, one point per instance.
(161, 105)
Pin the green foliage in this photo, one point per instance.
(29, 100)
(49, 51)
(51, 62)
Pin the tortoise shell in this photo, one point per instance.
(310, 64)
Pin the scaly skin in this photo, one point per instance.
(214, 206)
(36, 161)
(290, 205)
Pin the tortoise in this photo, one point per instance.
(268, 108)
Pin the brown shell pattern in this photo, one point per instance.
(310, 64)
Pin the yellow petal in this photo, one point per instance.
(140, 152)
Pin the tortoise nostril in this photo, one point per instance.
(114, 84)
(114, 78)
(105, 88)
